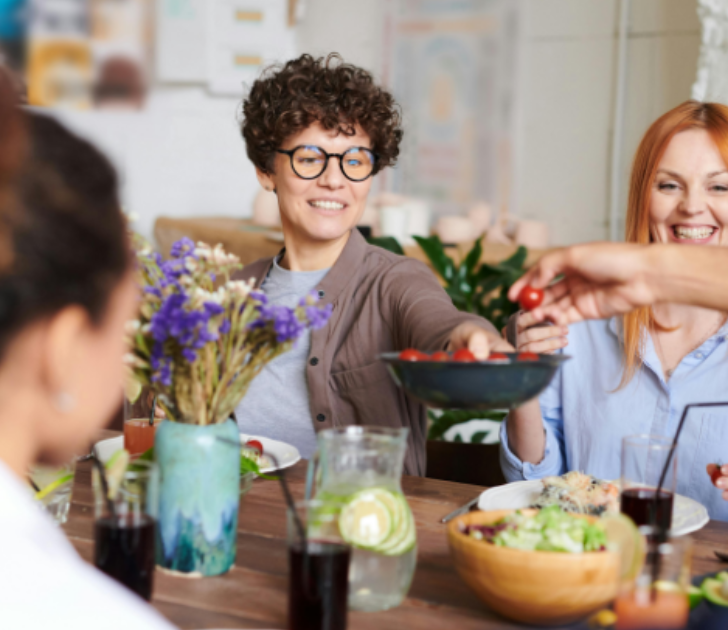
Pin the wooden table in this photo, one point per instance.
(254, 593)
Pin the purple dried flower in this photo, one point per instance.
(225, 327)
(317, 316)
(183, 247)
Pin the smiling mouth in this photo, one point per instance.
(683, 232)
(327, 205)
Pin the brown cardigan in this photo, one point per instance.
(381, 303)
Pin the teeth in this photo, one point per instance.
(327, 205)
(693, 233)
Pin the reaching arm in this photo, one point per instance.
(606, 279)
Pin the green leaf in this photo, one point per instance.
(389, 243)
(435, 252)
(248, 465)
(470, 264)
(478, 437)
(517, 260)
(457, 438)
(440, 425)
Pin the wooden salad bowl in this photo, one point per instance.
(536, 587)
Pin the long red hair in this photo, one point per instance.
(712, 117)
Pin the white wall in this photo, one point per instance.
(184, 155)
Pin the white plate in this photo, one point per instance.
(687, 515)
(286, 454)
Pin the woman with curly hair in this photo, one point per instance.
(317, 131)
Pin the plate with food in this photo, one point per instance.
(580, 493)
(458, 381)
(257, 448)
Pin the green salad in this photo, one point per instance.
(550, 529)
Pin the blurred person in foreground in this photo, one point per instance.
(66, 290)
(634, 374)
(318, 131)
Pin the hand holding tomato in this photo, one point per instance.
(719, 478)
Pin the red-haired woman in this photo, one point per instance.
(635, 373)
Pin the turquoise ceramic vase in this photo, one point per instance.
(199, 496)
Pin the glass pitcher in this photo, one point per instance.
(360, 468)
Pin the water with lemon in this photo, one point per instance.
(54, 487)
(377, 522)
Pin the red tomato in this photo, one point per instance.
(527, 356)
(530, 298)
(716, 474)
(255, 444)
(464, 356)
(412, 355)
(440, 356)
(497, 356)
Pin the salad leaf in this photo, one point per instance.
(248, 465)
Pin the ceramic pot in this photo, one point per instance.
(199, 497)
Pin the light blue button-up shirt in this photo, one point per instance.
(586, 416)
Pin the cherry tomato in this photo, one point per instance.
(716, 474)
(412, 355)
(255, 444)
(530, 298)
(440, 356)
(527, 356)
(463, 356)
(497, 356)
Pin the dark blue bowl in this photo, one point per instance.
(478, 385)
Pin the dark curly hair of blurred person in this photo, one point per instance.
(287, 99)
(66, 232)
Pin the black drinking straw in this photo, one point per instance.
(661, 533)
(104, 483)
(153, 411)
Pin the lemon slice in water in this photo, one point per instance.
(115, 469)
(624, 535)
(54, 485)
(366, 521)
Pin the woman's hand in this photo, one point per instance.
(601, 280)
(539, 338)
(478, 340)
(719, 478)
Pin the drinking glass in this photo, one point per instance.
(318, 568)
(53, 487)
(139, 431)
(658, 596)
(125, 527)
(643, 460)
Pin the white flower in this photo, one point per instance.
(203, 251)
(240, 288)
(191, 265)
(133, 361)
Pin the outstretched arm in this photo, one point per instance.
(605, 279)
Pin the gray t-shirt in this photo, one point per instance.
(276, 404)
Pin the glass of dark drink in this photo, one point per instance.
(125, 527)
(643, 461)
(318, 560)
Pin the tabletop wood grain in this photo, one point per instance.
(254, 593)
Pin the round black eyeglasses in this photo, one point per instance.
(309, 162)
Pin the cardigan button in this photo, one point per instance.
(321, 417)
(314, 361)
(321, 294)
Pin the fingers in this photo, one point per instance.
(479, 345)
(543, 339)
(543, 272)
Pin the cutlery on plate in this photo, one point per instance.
(461, 510)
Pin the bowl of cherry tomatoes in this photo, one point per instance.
(457, 380)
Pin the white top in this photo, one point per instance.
(44, 584)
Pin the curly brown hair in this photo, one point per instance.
(287, 99)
